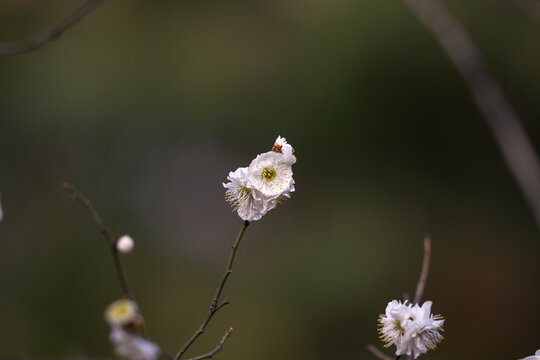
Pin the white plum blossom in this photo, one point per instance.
(257, 189)
(131, 346)
(412, 328)
(281, 146)
(535, 357)
(271, 175)
(249, 202)
(122, 312)
(125, 244)
(126, 322)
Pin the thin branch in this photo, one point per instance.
(420, 286)
(214, 307)
(78, 196)
(509, 134)
(217, 349)
(54, 33)
(378, 353)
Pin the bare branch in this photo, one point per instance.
(378, 353)
(54, 33)
(217, 349)
(214, 307)
(420, 286)
(509, 134)
(78, 196)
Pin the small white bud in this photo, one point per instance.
(124, 244)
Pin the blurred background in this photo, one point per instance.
(146, 107)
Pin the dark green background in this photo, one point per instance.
(147, 105)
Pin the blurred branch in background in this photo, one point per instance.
(424, 272)
(530, 8)
(419, 292)
(510, 136)
(78, 196)
(54, 33)
(378, 353)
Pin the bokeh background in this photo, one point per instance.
(146, 106)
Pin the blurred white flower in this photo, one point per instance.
(281, 146)
(248, 201)
(132, 347)
(413, 329)
(535, 357)
(125, 244)
(122, 312)
(271, 175)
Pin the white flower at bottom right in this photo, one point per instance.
(412, 328)
(535, 357)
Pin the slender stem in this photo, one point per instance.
(378, 353)
(78, 196)
(55, 32)
(217, 349)
(214, 307)
(424, 272)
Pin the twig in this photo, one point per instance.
(214, 307)
(217, 349)
(509, 134)
(378, 353)
(55, 32)
(78, 196)
(424, 272)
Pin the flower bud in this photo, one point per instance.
(124, 244)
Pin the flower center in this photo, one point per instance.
(268, 174)
(244, 194)
(277, 148)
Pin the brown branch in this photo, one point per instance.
(78, 196)
(509, 134)
(420, 286)
(217, 349)
(214, 307)
(378, 353)
(52, 34)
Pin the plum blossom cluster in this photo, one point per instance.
(254, 190)
(126, 324)
(412, 328)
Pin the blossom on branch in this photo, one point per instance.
(125, 244)
(282, 147)
(133, 347)
(122, 312)
(412, 328)
(126, 324)
(257, 189)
